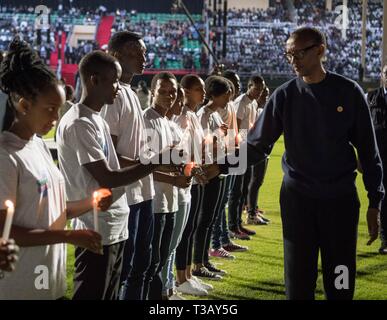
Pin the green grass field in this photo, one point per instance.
(258, 273)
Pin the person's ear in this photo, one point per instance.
(321, 52)
(23, 106)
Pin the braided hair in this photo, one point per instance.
(22, 74)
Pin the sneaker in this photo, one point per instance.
(383, 249)
(261, 213)
(188, 287)
(202, 284)
(237, 234)
(256, 220)
(203, 272)
(211, 267)
(176, 296)
(221, 253)
(233, 247)
(247, 231)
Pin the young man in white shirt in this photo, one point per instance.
(127, 130)
(164, 93)
(246, 109)
(88, 161)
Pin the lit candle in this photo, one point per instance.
(95, 210)
(8, 219)
(188, 169)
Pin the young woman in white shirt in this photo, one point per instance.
(31, 180)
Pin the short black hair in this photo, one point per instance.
(216, 86)
(232, 86)
(119, 39)
(189, 80)
(310, 33)
(255, 79)
(229, 74)
(161, 76)
(95, 63)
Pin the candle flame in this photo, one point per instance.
(9, 204)
(188, 169)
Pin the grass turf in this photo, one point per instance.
(258, 273)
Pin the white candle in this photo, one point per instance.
(8, 219)
(95, 210)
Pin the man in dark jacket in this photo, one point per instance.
(323, 117)
(377, 101)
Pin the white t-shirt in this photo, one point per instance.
(211, 123)
(30, 179)
(184, 194)
(126, 121)
(166, 197)
(246, 110)
(228, 116)
(189, 118)
(83, 137)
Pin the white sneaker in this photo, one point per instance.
(188, 287)
(176, 296)
(202, 284)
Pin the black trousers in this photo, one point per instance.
(210, 209)
(97, 277)
(313, 225)
(162, 235)
(185, 247)
(258, 172)
(383, 213)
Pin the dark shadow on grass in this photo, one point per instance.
(229, 297)
(260, 288)
(368, 255)
(371, 270)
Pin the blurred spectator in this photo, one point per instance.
(143, 94)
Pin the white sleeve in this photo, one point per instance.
(83, 140)
(112, 115)
(8, 179)
(240, 110)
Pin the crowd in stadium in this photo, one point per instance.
(253, 34)
(260, 43)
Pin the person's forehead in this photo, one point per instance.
(162, 83)
(136, 44)
(297, 43)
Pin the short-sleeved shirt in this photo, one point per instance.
(246, 111)
(83, 137)
(160, 136)
(126, 121)
(189, 118)
(30, 179)
(211, 122)
(184, 194)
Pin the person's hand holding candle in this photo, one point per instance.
(8, 254)
(104, 199)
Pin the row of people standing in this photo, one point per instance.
(101, 141)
